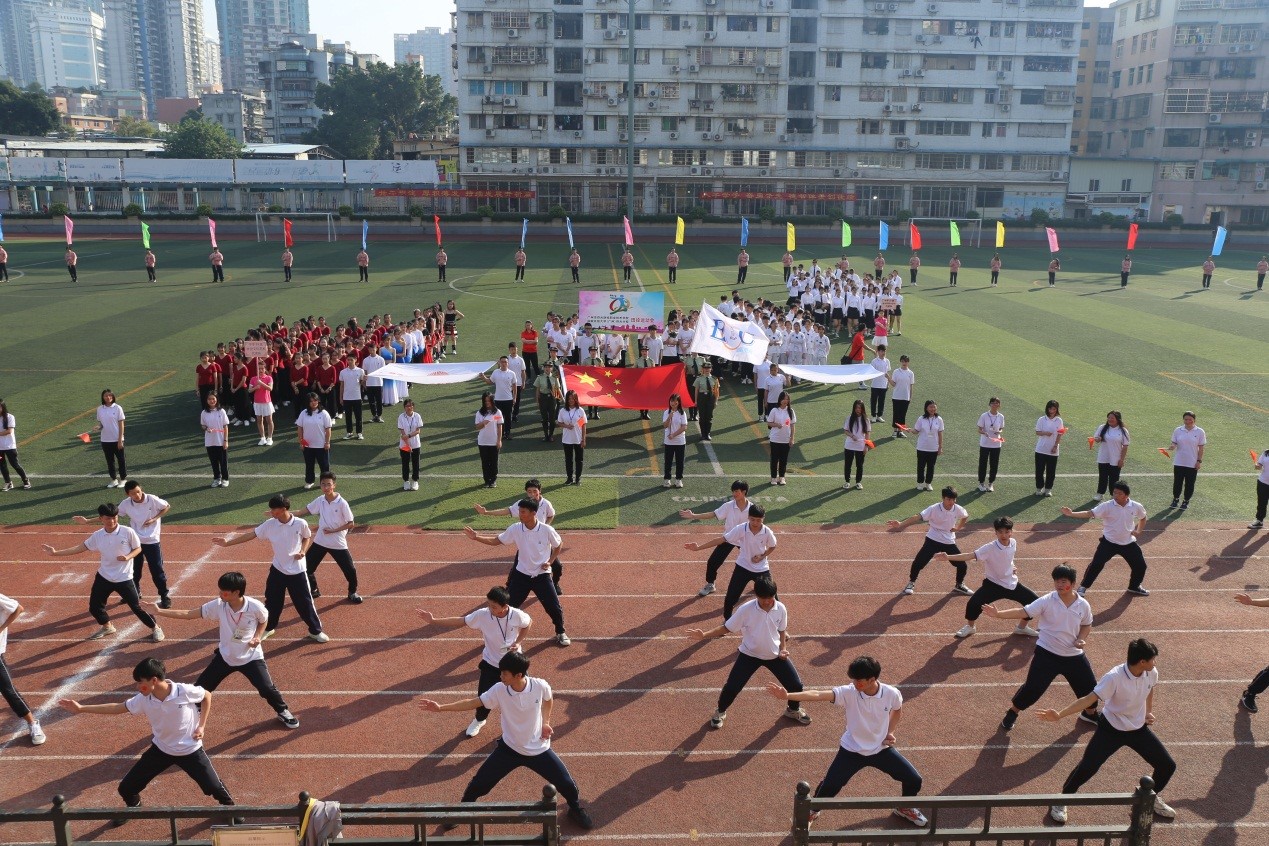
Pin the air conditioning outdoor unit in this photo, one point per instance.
(1233, 48)
(588, 60)
(784, 138)
(612, 101)
(770, 4)
(624, 136)
(577, 133)
(1000, 74)
(764, 172)
(609, 35)
(709, 171)
(513, 33)
(509, 102)
(900, 109)
(654, 93)
(718, 136)
(696, 171)
(652, 105)
(938, 39)
(1249, 141)
(919, 72)
(916, 107)
(892, 7)
(1004, 107)
(711, 2)
(489, 133)
(837, 172)
(705, 136)
(693, 68)
(623, 33)
(693, 104)
(1057, 175)
(674, 136)
(1213, 118)
(761, 70)
(544, 170)
(1202, 48)
(685, 25)
(528, 170)
(710, 36)
(612, 171)
(854, 174)
(474, 169)
(489, 100)
(932, 8)
(676, 69)
(1068, 42)
(902, 143)
(1247, 48)
(920, 39)
(709, 107)
(1260, 186)
(488, 69)
(906, 73)
(887, 108)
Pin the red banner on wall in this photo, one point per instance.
(454, 192)
(775, 195)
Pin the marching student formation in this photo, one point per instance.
(326, 374)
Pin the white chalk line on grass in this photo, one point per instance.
(803, 475)
(111, 644)
(61, 261)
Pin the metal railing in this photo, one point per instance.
(1135, 832)
(471, 819)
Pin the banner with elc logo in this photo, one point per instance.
(622, 311)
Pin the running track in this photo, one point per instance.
(634, 693)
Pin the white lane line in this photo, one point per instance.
(713, 458)
(60, 261)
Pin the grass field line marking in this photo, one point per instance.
(167, 375)
(616, 280)
(713, 458)
(1217, 394)
(61, 261)
(79, 370)
(967, 475)
(453, 287)
(98, 662)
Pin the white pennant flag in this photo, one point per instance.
(735, 340)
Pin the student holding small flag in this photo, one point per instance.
(1048, 432)
(858, 429)
(1188, 443)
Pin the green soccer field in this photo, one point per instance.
(1151, 351)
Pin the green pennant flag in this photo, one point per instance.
(145, 236)
(956, 233)
(845, 234)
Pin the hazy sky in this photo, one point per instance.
(366, 24)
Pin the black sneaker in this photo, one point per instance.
(288, 719)
(559, 591)
(1175, 503)
(1185, 505)
(1086, 717)
(316, 593)
(1138, 591)
(165, 602)
(355, 598)
(1011, 717)
(1248, 702)
(580, 816)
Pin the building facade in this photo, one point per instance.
(433, 49)
(290, 74)
(156, 47)
(69, 47)
(1092, 81)
(243, 115)
(810, 106)
(248, 30)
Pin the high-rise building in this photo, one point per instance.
(211, 81)
(248, 30)
(17, 50)
(870, 108)
(432, 48)
(156, 47)
(1092, 80)
(1187, 89)
(290, 74)
(69, 47)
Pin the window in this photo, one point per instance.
(876, 26)
(833, 59)
(830, 127)
(991, 161)
(940, 201)
(1031, 96)
(833, 94)
(938, 62)
(669, 124)
(1177, 170)
(870, 127)
(1036, 29)
(1047, 64)
(509, 20)
(599, 123)
(1136, 139)
(995, 129)
(1203, 33)
(872, 94)
(942, 127)
(475, 20)
(945, 95)
(1220, 170)
(1185, 100)
(1094, 185)
(1037, 164)
(1240, 34)
(742, 23)
(1125, 184)
(1042, 130)
(943, 161)
(803, 30)
(892, 161)
(898, 127)
(873, 61)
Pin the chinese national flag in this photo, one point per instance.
(915, 236)
(286, 232)
(640, 388)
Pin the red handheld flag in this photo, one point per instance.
(405, 445)
(1061, 430)
(1090, 442)
(1255, 458)
(916, 236)
(869, 444)
(87, 438)
(436, 223)
(1164, 453)
(1132, 236)
(902, 428)
(286, 233)
(627, 387)
(998, 440)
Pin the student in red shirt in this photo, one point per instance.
(529, 351)
(856, 354)
(326, 376)
(206, 378)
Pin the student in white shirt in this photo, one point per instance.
(1122, 518)
(517, 366)
(178, 721)
(334, 522)
(901, 383)
(1127, 696)
(546, 514)
(991, 427)
(537, 545)
(1048, 439)
(572, 422)
(946, 518)
(858, 429)
(352, 382)
(732, 513)
(877, 397)
(1064, 619)
(762, 624)
(770, 384)
(409, 425)
(489, 425)
(929, 445)
(525, 704)
(781, 425)
(314, 425)
(145, 514)
(1188, 443)
(1112, 450)
(873, 711)
(215, 425)
(674, 430)
(1000, 578)
(241, 622)
(503, 629)
(506, 393)
(9, 449)
(755, 542)
(290, 538)
(1262, 491)
(10, 609)
(116, 546)
(110, 423)
(374, 384)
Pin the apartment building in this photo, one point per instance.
(290, 74)
(243, 115)
(69, 47)
(433, 49)
(248, 30)
(1092, 80)
(156, 47)
(940, 108)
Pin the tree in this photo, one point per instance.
(371, 107)
(28, 112)
(126, 126)
(200, 139)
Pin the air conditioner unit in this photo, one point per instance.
(892, 7)
(710, 36)
(711, 2)
(654, 93)
(612, 101)
(623, 33)
(837, 171)
(902, 143)
(906, 73)
(938, 39)
(1213, 118)
(490, 133)
(764, 172)
(770, 4)
(709, 171)
(916, 107)
(886, 108)
(588, 91)
(652, 105)
(693, 104)
(1000, 74)
(718, 136)
(709, 107)
(696, 171)
(674, 136)
(623, 136)
(1249, 141)
(1068, 42)
(705, 136)
(474, 169)
(489, 100)
(920, 39)
(510, 102)
(577, 133)
(919, 72)
(612, 171)
(1004, 107)
(693, 68)
(1260, 186)
(854, 174)
(488, 69)
(784, 138)
(761, 70)
(1247, 48)
(932, 8)
(1202, 48)
(676, 69)
(544, 170)
(588, 60)
(513, 33)
(1011, 2)
(1250, 136)
(609, 35)
(528, 170)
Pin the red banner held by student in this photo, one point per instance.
(286, 233)
(1132, 237)
(916, 236)
(436, 222)
(639, 388)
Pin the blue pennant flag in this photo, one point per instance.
(1219, 243)
(524, 232)
(1, 227)
(365, 231)
(568, 225)
(884, 241)
(744, 232)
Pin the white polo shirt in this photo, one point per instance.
(515, 364)
(110, 545)
(1124, 696)
(236, 628)
(1264, 467)
(575, 416)
(882, 366)
(732, 515)
(927, 429)
(7, 607)
(1187, 443)
(314, 428)
(138, 512)
(752, 545)
(521, 714)
(533, 545)
(215, 427)
(499, 632)
(487, 435)
(771, 385)
(411, 423)
(286, 539)
(109, 417)
(1059, 624)
(1048, 429)
(331, 513)
(867, 717)
(1112, 445)
(9, 441)
(504, 385)
(759, 630)
(993, 425)
(785, 419)
(903, 379)
(997, 561)
(943, 521)
(370, 364)
(856, 439)
(677, 421)
(350, 383)
(172, 720)
(1118, 521)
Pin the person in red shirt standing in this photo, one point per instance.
(207, 378)
(856, 353)
(217, 259)
(1209, 267)
(150, 261)
(953, 269)
(1125, 268)
(442, 260)
(72, 264)
(914, 264)
(225, 361)
(529, 350)
(300, 380)
(363, 266)
(287, 260)
(742, 266)
(672, 264)
(326, 375)
(521, 258)
(627, 262)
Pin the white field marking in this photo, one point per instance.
(458, 290)
(65, 578)
(61, 261)
(639, 281)
(94, 665)
(468, 476)
(1230, 279)
(713, 458)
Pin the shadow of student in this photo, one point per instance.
(1232, 558)
(870, 628)
(989, 772)
(1041, 532)
(1010, 653)
(1232, 791)
(876, 508)
(438, 765)
(1102, 616)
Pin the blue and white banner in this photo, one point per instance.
(524, 232)
(735, 340)
(568, 225)
(744, 232)
(1219, 243)
(883, 240)
(365, 231)
(1, 227)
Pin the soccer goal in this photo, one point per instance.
(937, 231)
(266, 219)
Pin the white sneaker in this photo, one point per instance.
(665, 484)
(308, 486)
(563, 639)
(349, 436)
(782, 481)
(414, 486)
(474, 728)
(678, 483)
(260, 442)
(966, 630)
(1047, 492)
(1057, 813)
(360, 436)
(114, 483)
(859, 486)
(1097, 497)
(320, 637)
(774, 481)
(1025, 631)
(982, 489)
(1161, 808)
(156, 635)
(910, 589)
(107, 629)
(38, 738)
(920, 486)
(912, 815)
(991, 489)
(215, 483)
(1039, 491)
(707, 590)
(224, 483)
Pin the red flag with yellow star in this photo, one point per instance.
(639, 388)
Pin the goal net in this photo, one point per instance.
(311, 222)
(937, 231)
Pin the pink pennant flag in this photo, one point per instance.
(625, 222)
(70, 229)
(1053, 241)
(211, 228)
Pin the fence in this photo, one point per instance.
(1136, 832)
(471, 818)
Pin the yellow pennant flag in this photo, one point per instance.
(790, 238)
(1000, 234)
(678, 231)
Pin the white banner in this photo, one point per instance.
(435, 374)
(832, 374)
(411, 172)
(735, 340)
(26, 169)
(288, 171)
(93, 170)
(179, 171)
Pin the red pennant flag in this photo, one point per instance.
(286, 233)
(1163, 451)
(1255, 458)
(640, 388)
(436, 221)
(70, 229)
(1132, 237)
(916, 236)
